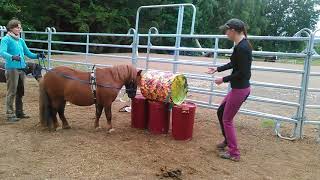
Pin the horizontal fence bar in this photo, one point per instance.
(108, 34)
(273, 85)
(203, 36)
(35, 32)
(246, 112)
(37, 41)
(251, 98)
(92, 54)
(311, 106)
(204, 63)
(273, 69)
(182, 62)
(312, 122)
(81, 63)
(313, 89)
(273, 101)
(253, 83)
(93, 34)
(314, 73)
(37, 49)
(224, 51)
(111, 56)
(69, 43)
(197, 77)
(199, 91)
(110, 45)
(68, 52)
(92, 44)
(80, 53)
(69, 33)
(162, 6)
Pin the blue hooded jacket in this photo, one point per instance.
(11, 47)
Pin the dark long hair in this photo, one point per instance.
(244, 31)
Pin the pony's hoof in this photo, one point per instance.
(52, 129)
(98, 128)
(111, 130)
(66, 127)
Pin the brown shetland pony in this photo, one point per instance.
(63, 84)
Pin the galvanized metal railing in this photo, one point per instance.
(299, 119)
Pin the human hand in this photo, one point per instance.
(41, 55)
(218, 81)
(16, 58)
(211, 70)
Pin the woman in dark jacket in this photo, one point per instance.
(240, 64)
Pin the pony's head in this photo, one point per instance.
(131, 88)
(129, 76)
(133, 81)
(35, 69)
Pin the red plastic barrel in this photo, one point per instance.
(183, 120)
(139, 112)
(158, 117)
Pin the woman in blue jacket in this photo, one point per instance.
(13, 49)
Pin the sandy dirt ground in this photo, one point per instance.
(29, 152)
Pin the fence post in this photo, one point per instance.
(134, 45)
(178, 37)
(150, 44)
(2, 30)
(215, 55)
(49, 30)
(87, 48)
(305, 83)
(23, 35)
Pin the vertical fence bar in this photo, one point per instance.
(215, 56)
(193, 18)
(2, 29)
(299, 34)
(23, 35)
(87, 47)
(304, 91)
(150, 44)
(178, 37)
(134, 46)
(148, 51)
(49, 45)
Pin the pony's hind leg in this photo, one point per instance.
(99, 109)
(107, 111)
(65, 124)
(54, 119)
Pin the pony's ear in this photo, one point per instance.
(139, 73)
(139, 76)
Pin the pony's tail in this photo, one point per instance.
(44, 107)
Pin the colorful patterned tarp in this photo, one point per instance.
(164, 86)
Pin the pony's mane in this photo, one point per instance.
(123, 72)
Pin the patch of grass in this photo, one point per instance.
(268, 123)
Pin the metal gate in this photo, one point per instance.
(206, 94)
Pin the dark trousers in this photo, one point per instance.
(15, 91)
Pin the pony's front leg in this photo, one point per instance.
(99, 109)
(107, 111)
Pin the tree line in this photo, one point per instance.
(264, 17)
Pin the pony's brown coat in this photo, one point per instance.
(63, 84)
